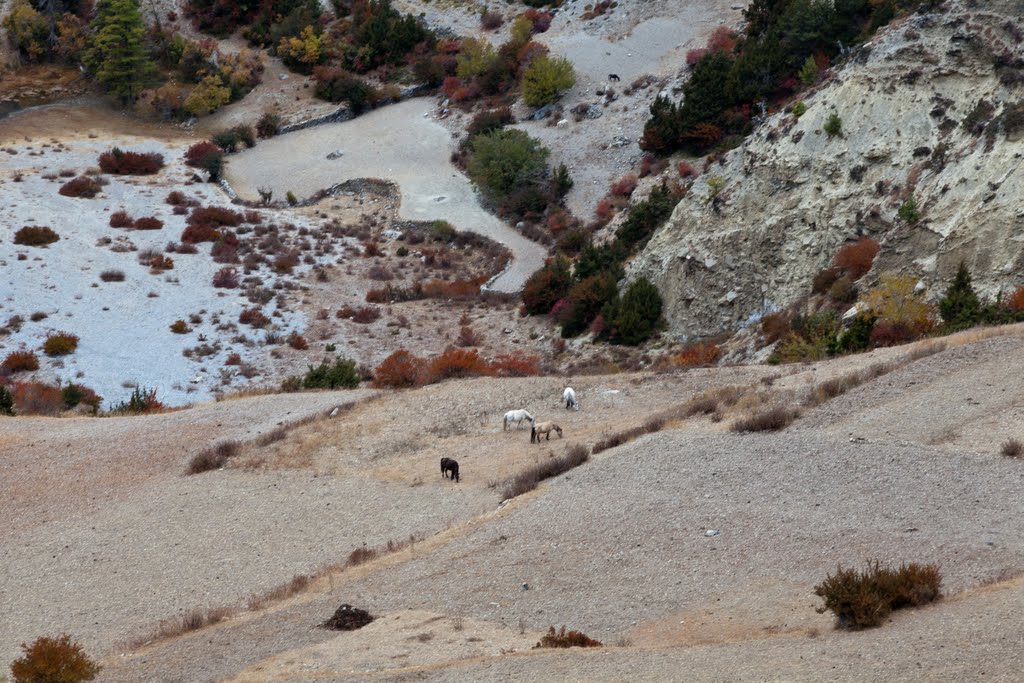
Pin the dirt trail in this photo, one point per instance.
(400, 142)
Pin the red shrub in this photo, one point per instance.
(703, 136)
(285, 263)
(459, 363)
(604, 211)
(558, 221)
(371, 248)
(194, 234)
(516, 364)
(856, 259)
(451, 85)
(148, 223)
(400, 370)
(216, 216)
(37, 398)
(541, 21)
(624, 186)
(19, 361)
(685, 169)
(160, 263)
(891, 333)
(362, 315)
(695, 55)
(652, 165)
(176, 198)
(297, 341)
(199, 151)
(121, 219)
(131, 163)
(234, 359)
(82, 186)
(722, 40)
(253, 317)
(35, 236)
(696, 355)
(226, 278)
(1016, 300)
(224, 250)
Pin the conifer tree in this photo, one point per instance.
(960, 307)
(117, 56)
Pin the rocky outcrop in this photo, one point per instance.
(932, 110)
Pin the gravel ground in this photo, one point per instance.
(400, 142)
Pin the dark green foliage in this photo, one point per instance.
(546, 286)
(605, 257)
(140, 402)
(908, 211)
(342, 374)
(6, 401)
(644, 217)
(833, 125)
(268, 124)
(864, 599)
(382, 35)
(856, 337)
(959, 307)
(230, 139)
(505, 161)
(489, 121)
(561, 181)
(335, 85)
(72, 395)
(635, 317)
(116, 55)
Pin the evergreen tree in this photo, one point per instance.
(638, 315)
(960, 307)
(117, 56)
(6, 401)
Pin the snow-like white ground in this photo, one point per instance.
(123, 326)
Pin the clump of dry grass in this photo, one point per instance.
(1012, 448)
(770, 420)
(552, 467)
(864, 599)
(215, 457)
(655, 424)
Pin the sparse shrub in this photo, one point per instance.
(1012, 448)
(53, 660)
(895, 301)
(856, 259)
(799, 109)
(60, 344)
(180, 327)
(20, 361)
(864, 599)
(491, 20)
(214, 458)
(562, 638)
(770, 420)
(468, 337)
(290, 196)
(515, 364)
(400, 370)
(297, 341)
(35, 236)
(908, 211)
(160, 263)
(268, 124)
(141, 402)
(489, 120)
(253, 317)
(551, 467)
(216, 216)
(685, 169)
(177, 198)
(82, 186)
(833, 125)
(121, 219)
(37, 398)
(226, 278)
(341, 374)
(455, 362)
(75, 394)
(624, 186)
(148, 223)
(119, 162)
(112, 276)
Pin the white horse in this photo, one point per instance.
(569, 396)
(516, 416)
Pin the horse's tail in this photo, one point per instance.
(533, 433)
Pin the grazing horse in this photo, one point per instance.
(614, 77)
(569, 396)
(449, 465)
(544, 428)
(516, 416)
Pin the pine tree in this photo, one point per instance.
(117, 55)
(638, 315)
(960, 307)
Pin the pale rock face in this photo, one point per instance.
(793, 195)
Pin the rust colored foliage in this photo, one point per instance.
(516, 364)
(459, 363)
(121, 219)
(82, 186)
(563, 638)
(1016, 300)
(130, 163)
(400, 370)
(37, 398)
(35, 236)
(20, 361)
(56, 660)
(696, 355)
(856, 259)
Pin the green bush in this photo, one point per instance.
(637, 315)
(799, 109)
(908, 211)
(504, 161)
(546, 286)
(546, 78)
(959, 306)
(6, 401)
(585, 301)
(268, 124)
(644, 217)
(863, 599)
(834, 125)
(341, 374)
